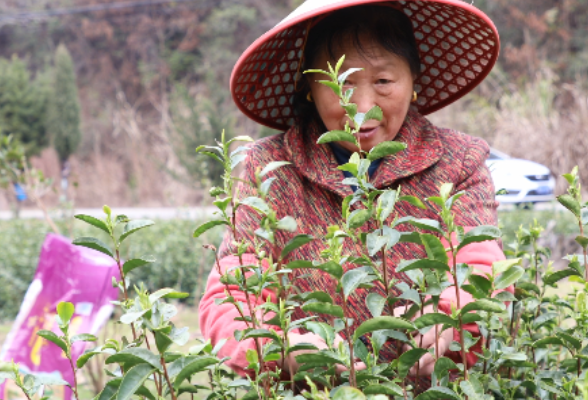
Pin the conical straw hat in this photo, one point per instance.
(458, 47)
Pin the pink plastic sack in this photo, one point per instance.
(65, 272)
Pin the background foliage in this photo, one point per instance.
(152, 78)
(181, 263)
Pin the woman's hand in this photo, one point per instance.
(427, 341)
(290, 363)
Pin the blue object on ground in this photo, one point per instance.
(20, 193)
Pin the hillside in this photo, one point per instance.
(153, 83)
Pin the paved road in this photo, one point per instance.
(193, 213)
(133, 213)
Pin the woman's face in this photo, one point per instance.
(385, 81)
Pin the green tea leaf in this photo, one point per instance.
(386, 203)
(375, 242)
(109, 391)
(422, 264)
(93, 243)
(358, 218)
(445, 191)
(375, 303)
(544, 319)
(329, 267)
(132, 380)
(570, 340)
(352, 279)
(415, 201)
(582, 241)
(336, 136)
(557, 276)
(472, 388)
(318, 295)
(333, 86)
(197, 365)
(273, 166)
(545, 342)
(348, 393)
(324, 357)
(463, 273)
(438, 393)
(257, 204)
(83, 337)
(569, 202)
(98, 223)
(294, 243)
(385, 149)
(167, 293)
(434, 248)
(288, 224)
(135, 355)
(584, 216)
(408, 359)
(84, 358)
(480, 234)
(443, 365)
(383, 322)
(207, 226)
(483, 305)
(52, 337)
(133, 227)
(325, 331)
(65, 310)
(431, 319)
(499, 267)
(324, 308)
(343, 77)
(426, 224)
(162, 341)
(130, 265)
(505, 296)
(509, 277)
(387, 388)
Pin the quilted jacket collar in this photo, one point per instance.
(317, 162)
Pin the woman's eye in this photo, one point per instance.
(383, 81)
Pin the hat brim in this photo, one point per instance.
(458, 46)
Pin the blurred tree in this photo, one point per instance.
(22, 105)
(63, 112)
(198, 121)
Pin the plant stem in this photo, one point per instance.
(485, 370)
(157, 386)
(352, 381)
(458, 301)
(73, 369)
(169, 385)
(585, 254)
(122, 277)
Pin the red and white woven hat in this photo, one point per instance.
(458, 47)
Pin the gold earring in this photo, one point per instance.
(309, 97)
(414, 96)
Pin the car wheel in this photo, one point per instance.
(527, 205)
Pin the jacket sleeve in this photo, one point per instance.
(217, 322)
(477, 206)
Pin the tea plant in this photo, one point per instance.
(530, 344)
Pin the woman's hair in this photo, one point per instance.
(388, 27)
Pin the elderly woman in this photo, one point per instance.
(416, 57)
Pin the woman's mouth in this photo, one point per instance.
(367, 133)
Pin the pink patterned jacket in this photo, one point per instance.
(311, 191)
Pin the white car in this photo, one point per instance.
(526, 182)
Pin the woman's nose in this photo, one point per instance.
(365, 98)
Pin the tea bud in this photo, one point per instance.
(216, 191)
